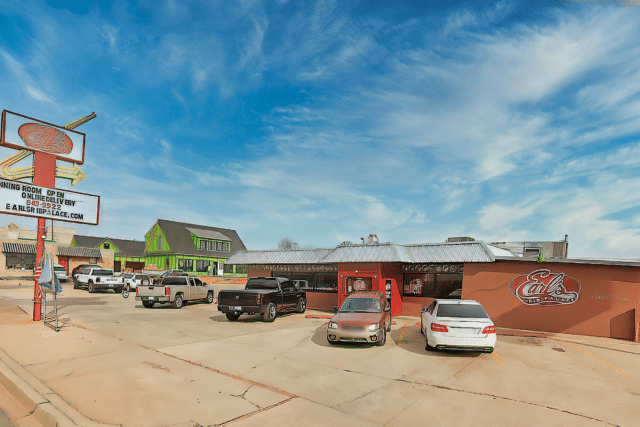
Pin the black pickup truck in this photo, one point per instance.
(265, 295)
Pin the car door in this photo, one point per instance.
(200, 289)
(289, 295)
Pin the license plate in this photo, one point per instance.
(151, 298)
(237, 308)
(111, 286)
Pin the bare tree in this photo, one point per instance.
(286, 243)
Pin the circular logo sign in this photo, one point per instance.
(541, 287)
(45, 138)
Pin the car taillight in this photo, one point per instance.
(489, 330)
(167, 290)
(438, 328)
(136, 291)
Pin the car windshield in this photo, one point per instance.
(261, 284)
(60, 269)
(127, 275)
(462, 310)
(361, 305)
(143, 277)
(102, 273)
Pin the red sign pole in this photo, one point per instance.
(44, 175)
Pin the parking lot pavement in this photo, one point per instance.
(188, 367)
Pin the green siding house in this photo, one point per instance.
(196, 249)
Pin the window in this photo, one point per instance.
(21, 261)
(202, 266)
(358, 284)
(187, 264)
(198, 282)
(106, 245)
(326, 282)
(159, 243)
(433, 285)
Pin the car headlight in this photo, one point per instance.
(373, 327)
(333, 325)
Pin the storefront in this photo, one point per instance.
(585, 297)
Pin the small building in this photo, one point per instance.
(197, 249)
(128, 254)
(576, 296)
(18, 256)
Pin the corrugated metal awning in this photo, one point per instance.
(74, 251)
(208, 234)
(18, 248)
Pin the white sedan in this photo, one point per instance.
(457, 325)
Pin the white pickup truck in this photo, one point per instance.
(175, 290)
(97, 279)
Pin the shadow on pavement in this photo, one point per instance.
(414, 341)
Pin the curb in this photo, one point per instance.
(49, 408)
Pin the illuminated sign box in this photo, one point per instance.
(25, 133)
(19, 198)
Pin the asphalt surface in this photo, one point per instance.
(191, 367)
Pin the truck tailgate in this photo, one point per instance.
(151, 291)
(238, 298)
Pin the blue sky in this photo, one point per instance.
(327, 121)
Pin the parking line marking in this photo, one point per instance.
(497, 357)
(404, 327)
(603, 361)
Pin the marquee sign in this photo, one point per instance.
(19, 198)
(541, 287)
(25, 133)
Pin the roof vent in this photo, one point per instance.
(373, 238)
(460, 239)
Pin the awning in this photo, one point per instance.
(74, 251)
(18, 248)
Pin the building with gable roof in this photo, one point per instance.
(196, 249)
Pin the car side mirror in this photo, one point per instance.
(335, 309)
(387, 309)
(423, 309)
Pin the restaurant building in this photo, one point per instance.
(555, 294)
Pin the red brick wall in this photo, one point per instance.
(608, 304)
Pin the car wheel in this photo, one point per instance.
(91, 288)
(128, 287)
(75, 284)
(390, 322)
(302, 305)
(383, 340)
(270, 314)
(233, 316)
(421, 330)
(178, 302)
(148, 304)
(209, 299)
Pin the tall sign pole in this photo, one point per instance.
(48, 144)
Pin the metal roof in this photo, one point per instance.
(293, 256)
(208, 234)
(18, 248)
(590, 261)
(475, 251)
(74, 251)
(385, 252)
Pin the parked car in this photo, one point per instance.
(168, 273)
(97, 279)
(365, 316)
(80, 267)
(132, 280)
(61, 272)
(175, 290)
(457, 325)
(265, 295)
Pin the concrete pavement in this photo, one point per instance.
(116, 363)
